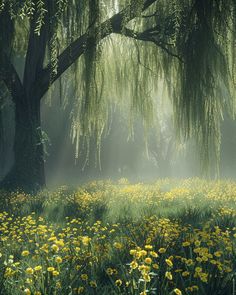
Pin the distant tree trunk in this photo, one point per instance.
(27, 172)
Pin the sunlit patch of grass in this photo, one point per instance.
(169, 237)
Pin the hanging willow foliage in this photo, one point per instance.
(188, 45)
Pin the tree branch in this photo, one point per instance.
(10, 77)
(149, 36)
(78, 47)
(150, 15)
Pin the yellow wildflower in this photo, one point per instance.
(118, 245)
(84, 277)
(133, 264)
(148, 260)
(93, 284)
(153, 254)
(86, 240)
(185, 273)
(155, 265)
(146, 277)
(162, 250)
(58, 259)
(55, 248)
(109, 271)
(148, 247)
(118, 283)
(29, 270)
(168, 275)
(177, 291)
(80, 290)
(169, 262)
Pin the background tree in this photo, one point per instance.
(188, 45)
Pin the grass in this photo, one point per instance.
(168, 237)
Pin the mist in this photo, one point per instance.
(144, 156)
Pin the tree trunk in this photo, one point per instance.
(27, 172)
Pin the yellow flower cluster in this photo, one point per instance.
(167, 237)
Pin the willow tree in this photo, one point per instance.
(112, 49)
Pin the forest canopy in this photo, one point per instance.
(116, 52)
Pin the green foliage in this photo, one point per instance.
(189, 46)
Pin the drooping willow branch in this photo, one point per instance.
(149, 37)
(78, 47)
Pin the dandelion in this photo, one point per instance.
(29, 271)
(86, 240)
(27, 291)
(153, 254)
(168, 275)
(197, 243)
(78, 267)
(80, 290)
(218, 254)
(29, 281)
(189, 262)
(146, 277)
(118, 283)
(148, 260)
(84, 277)
(143, 253)
(169, 262)
(60, 243)
(162, 250)
(203, 277)
(133, 264)
(58, 259)
(109, 271)
(55, 248)
(58, 285)
(148, 247)
(198, 269)
(177, 291)
(118, 245)
(185, 273)
(93, 284)
(155, 266)
(132, 252)
(9, 272)
(144, 268)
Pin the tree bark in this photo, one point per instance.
(27, 172)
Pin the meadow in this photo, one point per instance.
(168, 237)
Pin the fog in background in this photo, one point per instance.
(135, 158)
(121, 156)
